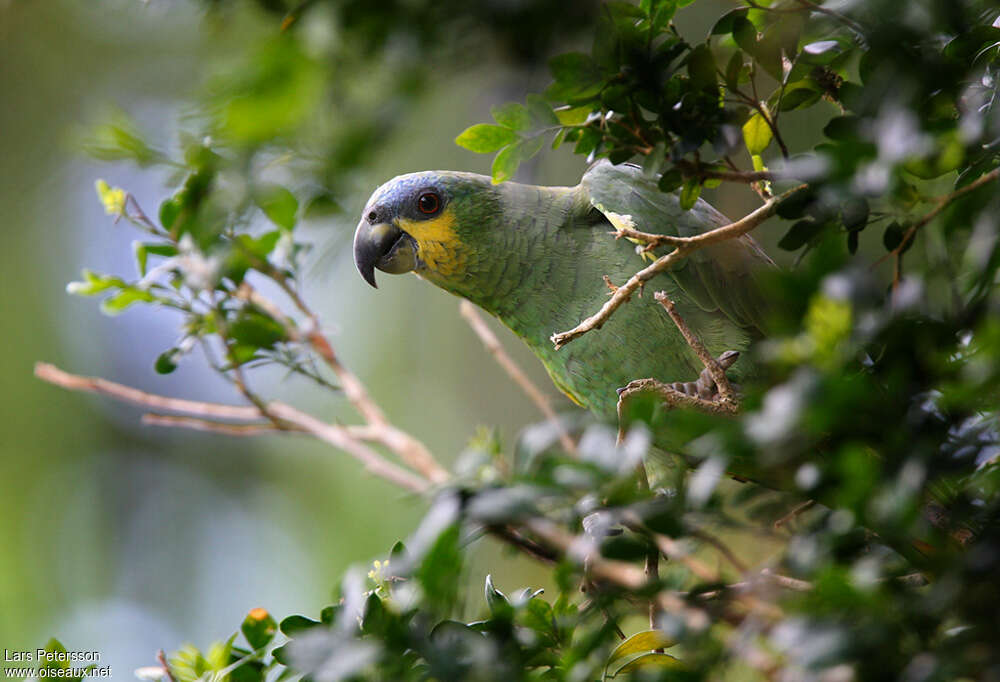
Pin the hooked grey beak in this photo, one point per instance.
(383, 246)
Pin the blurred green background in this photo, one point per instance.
(128, 539)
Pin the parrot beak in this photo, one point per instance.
(383, 246)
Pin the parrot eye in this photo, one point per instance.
(428, 203)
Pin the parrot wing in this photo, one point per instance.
(722, 277)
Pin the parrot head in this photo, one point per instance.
(427, 223)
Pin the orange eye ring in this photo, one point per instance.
(428, 203)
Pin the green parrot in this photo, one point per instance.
(535, 257)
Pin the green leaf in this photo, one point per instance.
(662, 15)
(513, 115)
(505, 163)
(125, 298)
(293, 625)
(397, 553)
(745, 34)
(842, 128)
(438, 573)
(570, 116)
(278, 204)
(576, 75)
(484, 138)
(639, 643)
(650, 661)
(255, 329)
(800, 234)
(94, 283)
(690, 193)
(670, 180)
(143, 250)
(375, 616)
(795, 205)
(495, 599)
(893, 236)
(797, 97)
(768, 52)
(166, 361)
(756, 134)
(727, 21)
(854, 213)
(733, 69)
(701, 67)
(169, 210)
(541, 111)
(259, 628)
(654, 160)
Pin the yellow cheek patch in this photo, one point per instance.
(438, 246)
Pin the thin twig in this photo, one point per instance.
(721, 548)
(942, 204)
(492, 344)
(684, 247)
(161, 658)
(526, 545)
(73, 382)
(340, 437)
(726, 392)
(793, 584)
(409, 449)
(798, 509)
(207, 425)
(748, 177)
(336, 435)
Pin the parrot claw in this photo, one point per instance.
(704, 386)
(703, 393)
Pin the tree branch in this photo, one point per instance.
(202, 413)
(409, 449)
(340, 437)
(726, 393)
(492, 344)
(73, 382)
(684, 247)
(942, 204)
(207, 425)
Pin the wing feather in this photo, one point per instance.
(724, 277)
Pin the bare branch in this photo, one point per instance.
(161, 658)
(748, 177)
(492, 344)
(790, 516)
(340, 437)
(408, 448)
(726, 393)
(674, 398)
(684, 247)
(722, 548)
(942, 204)
(196, 424)
(73, 382)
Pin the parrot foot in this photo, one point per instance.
(704, 386)
(702, 394)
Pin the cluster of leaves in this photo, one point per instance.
(901, 107)
(195, 261)
(396, 627)
(879, 405)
